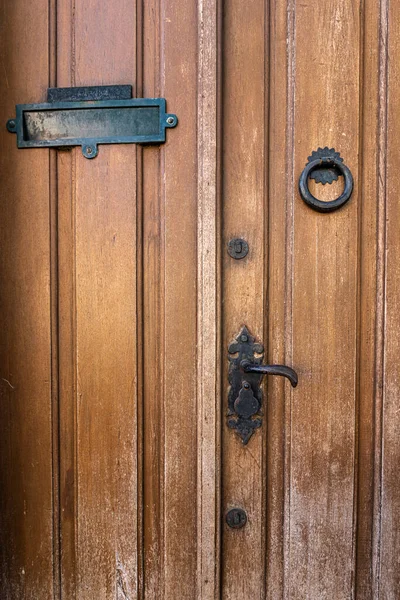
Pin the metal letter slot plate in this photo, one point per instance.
(90, 116)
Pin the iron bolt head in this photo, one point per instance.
(236, 518)
(170, 120)
(238, 248)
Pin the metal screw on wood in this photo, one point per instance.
(236, 518)
(238, 248)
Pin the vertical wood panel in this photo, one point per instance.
(325, 261)
(177, 499)
(107, 379)
(320, 296)
(55, 382)
(67, 371)
(389, 564)
(26, 445)
(101, 487)
(179, 195)
(153, 322)
(370, 365)
(243, 287)
(208, 310)
(65, 77)
(280, 200)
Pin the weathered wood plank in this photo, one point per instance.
(243, 283)
(387, 571)
(208, 306)
(370, 365)
(179, 233)
(26, 444)
(317, 105)
(153, 324)
(98, 300)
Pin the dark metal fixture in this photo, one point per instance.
(245, 373)
(325, 165)
(88, 116)
(238, 248)
(236, 518)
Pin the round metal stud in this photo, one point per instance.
(236, 518)
(89, 150)
(11, 125)
(238, 248)
(171, 120)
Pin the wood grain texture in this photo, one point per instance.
(325, 262)
(179, 233)
(372, 273)
(208, 307)
(26, 444)
(280, 211)
(153, 322)
(313, 299)
(119, 300)
(388, 573)
(98, 300)
(243, 287)
(66, 205)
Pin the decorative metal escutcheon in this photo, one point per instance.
(245, 373)
(88, 116)
(325, 165)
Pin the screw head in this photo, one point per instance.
(238, 248)
(170, 120)
(89, 150)
(236, 518)
(244, 338)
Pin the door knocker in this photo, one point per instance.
(324, 166)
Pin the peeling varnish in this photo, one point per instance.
(122, 585)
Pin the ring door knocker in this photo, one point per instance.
(324, 166)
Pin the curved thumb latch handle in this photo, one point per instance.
(281, 370)
(245, 395)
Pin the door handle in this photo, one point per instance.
(271, 370)
(245, 374)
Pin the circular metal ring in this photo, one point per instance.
(311, 200)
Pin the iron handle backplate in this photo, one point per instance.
(245, 374)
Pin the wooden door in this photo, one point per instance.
(119, 301)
